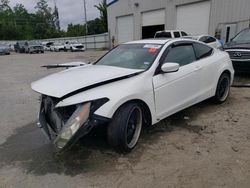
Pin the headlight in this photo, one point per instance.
(79, 117)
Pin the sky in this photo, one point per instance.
(70, 11)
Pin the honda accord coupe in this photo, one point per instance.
(136, 84)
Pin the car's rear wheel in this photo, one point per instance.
(125, 127)
(223, 88)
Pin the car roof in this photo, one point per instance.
(159, 41)
(149, 41)
(169, 31)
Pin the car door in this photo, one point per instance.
(178, 90)
(207, 64)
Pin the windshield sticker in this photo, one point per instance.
(152, 50)
(152, 46)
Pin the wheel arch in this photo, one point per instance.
(229, 73)
(147, 115)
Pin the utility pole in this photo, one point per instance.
(85, 16)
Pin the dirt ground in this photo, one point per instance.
(206, 145)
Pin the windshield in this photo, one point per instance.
(132, 56)
(74, 42)
(243, 36)
(163, 35)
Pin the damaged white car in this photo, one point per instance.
(137, 83)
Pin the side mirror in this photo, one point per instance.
(170, 67)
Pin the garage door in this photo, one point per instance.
(156, 17)
(194, 18)
(125, 29)
(152, 22)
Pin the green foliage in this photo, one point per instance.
(102, 7)
(18, 24)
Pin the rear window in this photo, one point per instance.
(202, 51)
(163, 35)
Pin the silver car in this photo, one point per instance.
(4, 49)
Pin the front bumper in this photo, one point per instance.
(56, 129)
(241, 66)
(79, 48)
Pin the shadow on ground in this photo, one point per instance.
(29, 149)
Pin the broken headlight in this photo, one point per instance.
(74, 123)
(79, 118)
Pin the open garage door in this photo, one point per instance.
(194, 18)
(152, 21)
(125, 29)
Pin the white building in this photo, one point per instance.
(136, 19)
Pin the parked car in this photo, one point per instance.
(210, 40)
(57, 47)
(47, 45)
(4, 49)
(33, 46)
(239, 51)
(19, 47)
(137, 83)
(170, 34)
(74, 46)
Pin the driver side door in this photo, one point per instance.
(177, 90)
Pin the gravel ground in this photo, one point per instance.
(206, 145)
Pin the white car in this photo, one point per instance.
(47, 45)
(74, 46)
(57, 47)
(137, 83)
(210, 40)
(170, 34)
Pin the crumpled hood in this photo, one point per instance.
(65, 82)
(234, 45)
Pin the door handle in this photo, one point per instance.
(197, 68)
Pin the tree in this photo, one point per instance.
(102, 7)
(48, 22)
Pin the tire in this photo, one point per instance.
(222, 89)
(71, 49)
(124, 130)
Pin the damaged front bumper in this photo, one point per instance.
(65, 125)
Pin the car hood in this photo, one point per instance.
(235, 45)
(74, 79)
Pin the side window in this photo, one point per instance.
(183, 33)
(203, 39)
(176, 34)
(211, 39)
(202, 50)
(183, 54)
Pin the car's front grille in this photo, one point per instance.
(239, 54)
(79, 47)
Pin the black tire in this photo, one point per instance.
(223, 89)
(71, 49)
(125, 127)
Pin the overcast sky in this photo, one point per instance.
(70, 11)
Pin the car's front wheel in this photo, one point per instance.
(125, 127)
(223, 88)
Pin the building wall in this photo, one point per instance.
(222, 12)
